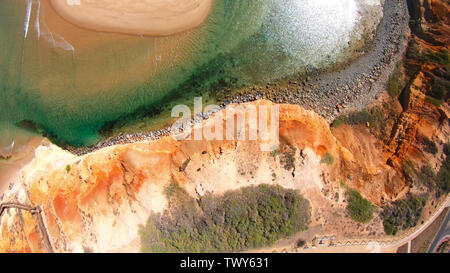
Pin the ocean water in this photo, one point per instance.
(68, 82)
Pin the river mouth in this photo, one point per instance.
(69, 82)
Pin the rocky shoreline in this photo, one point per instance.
(353, 87)
(329, 94)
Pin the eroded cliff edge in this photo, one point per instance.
(97, 202)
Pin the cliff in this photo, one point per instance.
(96, 202)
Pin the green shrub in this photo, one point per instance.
(444, 247)
(361, 117)
(441, 57)
(439, 182)
(287, 157)
(430, 147)
(172, 189)
(437, 94)
(443, 176)
(328, 159)
(411, 69)
(359, 208)
(338, 122)
(393, 85)
(446, 149)
(301, 243)
(409, 171)
(434, 101)
(243, 219)
(427, 177)
(414, 24)
(403, 214)
(374, 116)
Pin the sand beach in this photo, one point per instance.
(142, 17)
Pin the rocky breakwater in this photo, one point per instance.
(348, 87)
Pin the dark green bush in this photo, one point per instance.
(287, 157)
(403, 214)
(437, 95)
(444, 247)
(172, 189)
(441, 57)
(301, 243)
(328, 159)
(409, 170)
(430, 146)
(411, 69)
(244, 219)
(394, 86)
(338, 122)
(427, 177)
(360, 209)
(443, 176)
(439, 182)
(374, 116)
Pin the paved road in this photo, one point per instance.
(443, 232)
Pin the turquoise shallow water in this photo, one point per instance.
(71, 92)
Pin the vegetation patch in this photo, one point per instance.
(360, 209)
(244, 219)
(327, 159)
(394, 85)
(426, 177)
(403, 214)
(430, 146)
(287, 157)
(375, 117)
(443, 176)
(439, 92)
(441, 57)
(338, 122)
(444, 247)
(286, 154)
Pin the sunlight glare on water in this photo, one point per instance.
(312, 31)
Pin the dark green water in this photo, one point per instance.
(71, 92)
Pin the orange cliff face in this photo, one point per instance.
(97, 202)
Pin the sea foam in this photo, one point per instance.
(27, 17)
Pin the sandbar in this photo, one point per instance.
(140, 17)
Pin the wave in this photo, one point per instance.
(8, 149)
(36, 22)
(57, 41)
(27, 18)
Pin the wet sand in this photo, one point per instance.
(142, 17)
(10, 168)
(142, 57)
